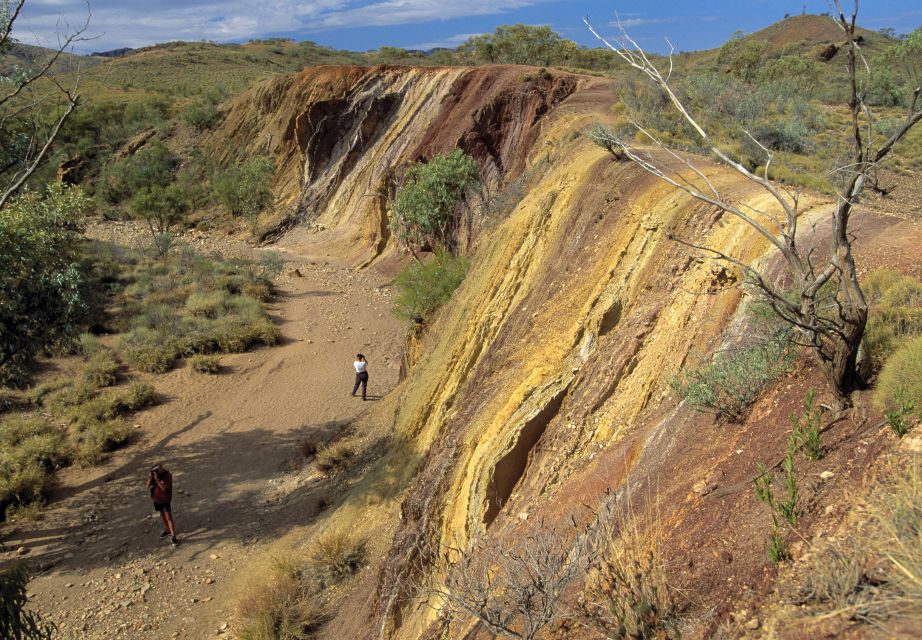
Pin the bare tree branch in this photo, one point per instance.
(832, 324)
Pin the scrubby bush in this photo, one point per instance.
(205, 364)
(335, 457)
(42, 282)
(426, 286)
(246, 189)
(732, 380)
(30, 450)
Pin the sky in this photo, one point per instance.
(360, 25)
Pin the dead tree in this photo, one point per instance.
(830, 324)
(23, 102)
(514, 593)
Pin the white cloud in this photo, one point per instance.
(134, 23)
(632, 23)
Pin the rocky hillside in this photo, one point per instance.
(543, 388)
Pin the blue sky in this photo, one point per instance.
(367, 24)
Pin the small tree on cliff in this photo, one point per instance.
(427, 206)
(831, 324)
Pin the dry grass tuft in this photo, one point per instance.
(101, 368)
(335, 556)
(331, 459)
(280, 606)
(627, 594)
(875, 576)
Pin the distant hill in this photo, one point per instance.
(191, 68)
(810, 31)
(29, 58)
(113, 53)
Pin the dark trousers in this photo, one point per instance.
(360, 379)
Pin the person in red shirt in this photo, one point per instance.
(160, 485)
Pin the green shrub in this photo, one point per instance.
(100, 369)
(424, 287)
(900, 383)
(806, 430)
(733, 380)
(205, 364)
(162, 208)
(245, 189)
(425, 207)
(42, 283)
(201, 115)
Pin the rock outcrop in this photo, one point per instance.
(543, 386)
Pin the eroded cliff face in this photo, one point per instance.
(543, 385)
(341, 135)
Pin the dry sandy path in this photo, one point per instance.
(229, 440)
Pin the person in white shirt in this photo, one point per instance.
(361, 374)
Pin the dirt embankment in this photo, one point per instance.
(340, 136)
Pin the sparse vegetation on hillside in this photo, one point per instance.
(874, 575)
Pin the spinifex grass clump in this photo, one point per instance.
(187, 305)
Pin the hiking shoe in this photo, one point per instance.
(164, 533)
(174, 541)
